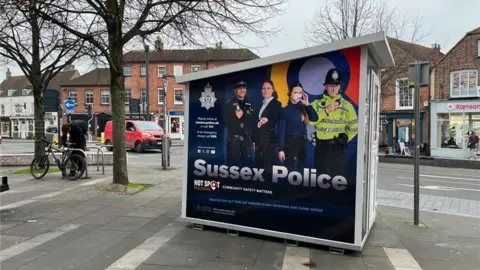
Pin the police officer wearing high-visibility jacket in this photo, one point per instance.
(337, 125)
(238, 119)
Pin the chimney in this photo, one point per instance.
(218, 45)
(8, 74)
(158, 45)
(436, 46)
(435, 54)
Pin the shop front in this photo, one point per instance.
(399, 127)
(176, 125)
(451, 120)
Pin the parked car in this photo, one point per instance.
(50, 132)
(139, 135)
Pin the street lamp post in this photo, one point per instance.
(165, 142)
(147, 84)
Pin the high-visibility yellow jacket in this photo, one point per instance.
(342, 120)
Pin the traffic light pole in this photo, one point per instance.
(165, 146)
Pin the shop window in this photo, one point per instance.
(404, 96)
(452, 129)
(464, 83)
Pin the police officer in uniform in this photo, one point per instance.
(337, 124)
(238, 119)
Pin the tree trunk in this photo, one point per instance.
(37, 84)
(117, 91)
(39, 120)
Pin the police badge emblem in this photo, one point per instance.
(335, 75)
(208, 97)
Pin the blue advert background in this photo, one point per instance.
(304, 209)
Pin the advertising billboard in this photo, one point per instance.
(275, 147)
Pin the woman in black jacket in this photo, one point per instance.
(265, 137)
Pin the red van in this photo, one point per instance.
(139, 135)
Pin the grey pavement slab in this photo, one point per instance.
(64, 239)
(7, 241)
(126, 224)
(102, 216)
(77, 252)
(21, 259)
(270, 256)
(377, 263)
(33, 210)
(7, 224)
(116, 251)
(106, 199)
(147, 212)
(325, 260)
(32, 229)
(73, 212)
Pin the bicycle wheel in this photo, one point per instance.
(38, 164)
(74, 167)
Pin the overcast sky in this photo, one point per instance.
(446, 21)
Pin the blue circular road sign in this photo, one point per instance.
(69, 104)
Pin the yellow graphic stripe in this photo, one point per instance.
(279, 78)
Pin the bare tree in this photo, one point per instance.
(343, 19)
(120, 22)
(41, 50)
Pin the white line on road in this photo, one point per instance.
(295, 257)
(401, 259)
(443, 188)
(51, 194)
(427, 171)
(442, 181)
(36, 241)
(142, 252)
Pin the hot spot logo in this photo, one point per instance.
(206, 185)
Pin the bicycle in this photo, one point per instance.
(76, 161)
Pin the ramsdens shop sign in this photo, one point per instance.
(459, 107)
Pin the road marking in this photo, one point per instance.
(295, 257)
(36, 241)
(404, 170)
(442, 188)
(50, 195)
(401, 259)
(142, 252)
(441, 181)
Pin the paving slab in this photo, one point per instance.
(21, 259)
(77, 252)
(73, 212)
(147, 212)
(7, 241)
(100, 217)
(32, 229)
(126, 223)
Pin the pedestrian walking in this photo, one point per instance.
(472, 144)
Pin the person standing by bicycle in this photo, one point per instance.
(77, 132)
(64, 137)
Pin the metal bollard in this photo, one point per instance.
(4, 186)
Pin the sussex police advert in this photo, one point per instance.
(275, 147)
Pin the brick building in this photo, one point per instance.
(455, 91)
(397, 100)
(93, 87)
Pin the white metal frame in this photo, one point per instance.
(369, 46)
(397, 96)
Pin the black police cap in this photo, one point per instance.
(333, 77)
(240, 83)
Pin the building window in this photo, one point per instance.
(88, 97)
(128, 95)
(452, 129)
(178, 96)
(143, 96)
(404, 96)
(72, 94)
(105, 97)
(161, 70)
(127, 71)
(24, 92)
(195, 68)
(178, 70)
(161, 95)
(464, 83)
(478, 48)
(2, 109)
(143, 71)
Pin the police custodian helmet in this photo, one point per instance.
(333, 77)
